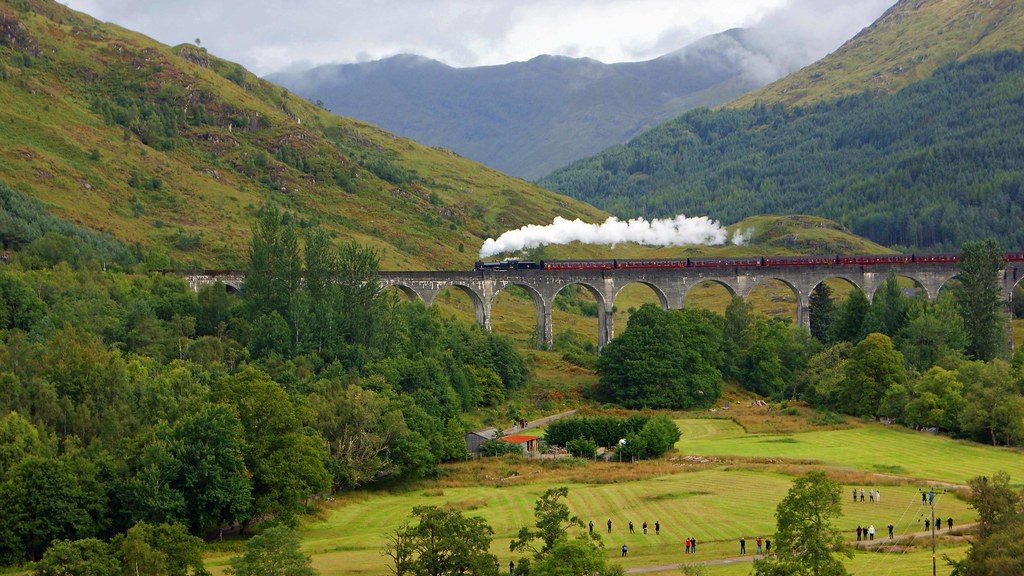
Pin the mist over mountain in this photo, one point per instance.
(528, 118)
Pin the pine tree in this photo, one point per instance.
(979, 300)
(848, 325)
(822, 311)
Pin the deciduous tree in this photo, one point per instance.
(806, 542)
(664, 359)
(275, 552)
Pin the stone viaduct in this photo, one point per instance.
(669, 285)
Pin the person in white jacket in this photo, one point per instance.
(871, 532)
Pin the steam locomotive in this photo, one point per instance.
(837, 260)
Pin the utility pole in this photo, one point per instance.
(931, 502)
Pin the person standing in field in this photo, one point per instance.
(890, 531)
(625, 550)
(657, 527)
(878, 495)
(693, 545)
(609, 525)
(631, 531)
(511, 567)
(760, 545)
(949, 522)
(859, 532)
(871, 495)
(854, 494)
(861, 494)
(767, 546)
(926, 524)
(687, 545)
(645, 526)
(743, 545)
(871, 532)
(591, 526)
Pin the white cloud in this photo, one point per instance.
(268, 35)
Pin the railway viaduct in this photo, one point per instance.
(670, 285)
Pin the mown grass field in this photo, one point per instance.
(873, 448)
(715, 502)
(905, 563)
(716, 506)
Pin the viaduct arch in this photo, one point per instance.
(669, 285)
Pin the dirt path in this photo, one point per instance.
(862, 545)
(539, 422)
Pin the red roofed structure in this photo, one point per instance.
(529, 443)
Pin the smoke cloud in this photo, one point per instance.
(676, 231)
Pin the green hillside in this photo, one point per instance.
(933, 165)
(905, 45)
(176, 149)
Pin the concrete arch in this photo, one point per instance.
(802, 298)
(662, 297)
(945, 285)
(604, 311)
(480, 310)
(815, 282)
(761, 281)
(920, 284)
(233, 287)
(732, 289)
(409, 291)
(543, 307)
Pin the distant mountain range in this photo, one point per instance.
(528, 118)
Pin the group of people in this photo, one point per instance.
(938, 524)
(764, 545)
(690, 543)
(872, 494)
(632, 528)
(869, 532)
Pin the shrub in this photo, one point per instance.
(499, 448)
(657, 436)
(581, 447)
(603, 430)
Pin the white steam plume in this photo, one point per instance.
(676, 231)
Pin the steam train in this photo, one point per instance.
(837, 260)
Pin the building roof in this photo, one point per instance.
(488, 433)
(518, 438)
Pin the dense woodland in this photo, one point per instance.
(130, 403)
(938, 365)
(932, 166)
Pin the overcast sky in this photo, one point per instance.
(270, 35)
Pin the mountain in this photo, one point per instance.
(931, 165)
(528, 118)
(175, 150)
(905, 45)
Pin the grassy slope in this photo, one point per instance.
(715, 503)
(209, 186)
(905, 45)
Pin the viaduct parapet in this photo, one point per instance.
(670, 285)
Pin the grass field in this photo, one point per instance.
(870, 448)
(716, 506)
(907, 563)
(715, 502)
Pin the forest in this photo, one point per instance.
(928, 365)
(932, 166)
(135, 412)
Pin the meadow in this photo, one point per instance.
(716, 501)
